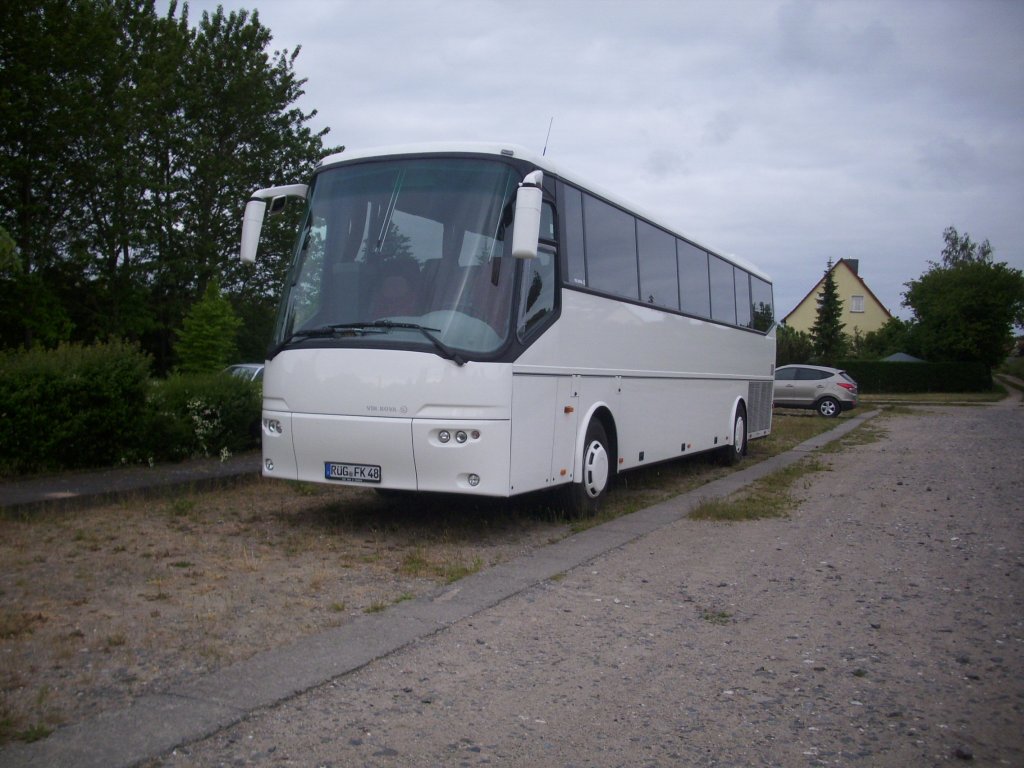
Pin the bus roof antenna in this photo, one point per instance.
(550, 122)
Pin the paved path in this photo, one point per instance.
(68, 489)
(879, 625)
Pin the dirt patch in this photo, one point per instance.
(99, 606)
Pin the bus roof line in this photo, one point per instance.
(544, 163)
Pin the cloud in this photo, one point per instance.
(788, 132)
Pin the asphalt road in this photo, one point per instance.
(881, 624)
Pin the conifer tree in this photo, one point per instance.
(827, 331)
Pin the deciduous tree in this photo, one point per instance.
(965, 307)
(129, 144)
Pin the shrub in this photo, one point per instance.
(91, 406)
(206, 414)
(73, 406)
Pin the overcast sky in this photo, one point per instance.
(786, 132)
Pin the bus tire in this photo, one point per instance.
(732, 454)
(584, 497)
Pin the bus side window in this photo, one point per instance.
(537, 298)
(694, 290)
(723, 291)
(547, 223)
(610, 235)
(761, 296)
(572, 220)
(659, 274)
(743, 305)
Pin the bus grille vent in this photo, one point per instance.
(759, 399)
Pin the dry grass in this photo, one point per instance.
(100, 605)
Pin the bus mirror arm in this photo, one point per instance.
(526, 230)
(252, 219)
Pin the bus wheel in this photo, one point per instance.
(731, 454)
(584, 497)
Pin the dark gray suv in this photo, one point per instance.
(829, 391)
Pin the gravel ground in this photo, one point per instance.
(880, 624)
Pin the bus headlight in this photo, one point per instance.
(444, 435)
(473, 480)
(461, 437)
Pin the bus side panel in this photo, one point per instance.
(563, 455)
(662, 419)
(544, 418)
(596, 392)
(534, 404)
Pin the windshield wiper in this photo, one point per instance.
(377, 326)
(428, 333)
(324, 331)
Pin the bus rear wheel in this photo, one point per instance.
(731, 454)
(584, 497)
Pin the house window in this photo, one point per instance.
(856, 303)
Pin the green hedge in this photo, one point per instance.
(93, 406)
(875, 377)
(73, 406)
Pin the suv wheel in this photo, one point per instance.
(829, 406)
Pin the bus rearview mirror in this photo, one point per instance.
(252, 225)
(256, 208)
(526, 229)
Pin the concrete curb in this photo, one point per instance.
(79, 489)
(154, 725)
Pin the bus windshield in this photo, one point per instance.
(404, 253)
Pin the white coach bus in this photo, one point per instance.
(466, 318)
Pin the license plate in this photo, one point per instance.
(352, 473)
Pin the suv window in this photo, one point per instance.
(809, 374)
(785, 374)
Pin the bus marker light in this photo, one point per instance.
(475, 434)
(568, 409)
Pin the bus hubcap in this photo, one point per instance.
(595, 469)
(738, 434)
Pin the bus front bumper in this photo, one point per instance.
(456, 456)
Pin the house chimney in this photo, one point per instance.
(854, 265)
